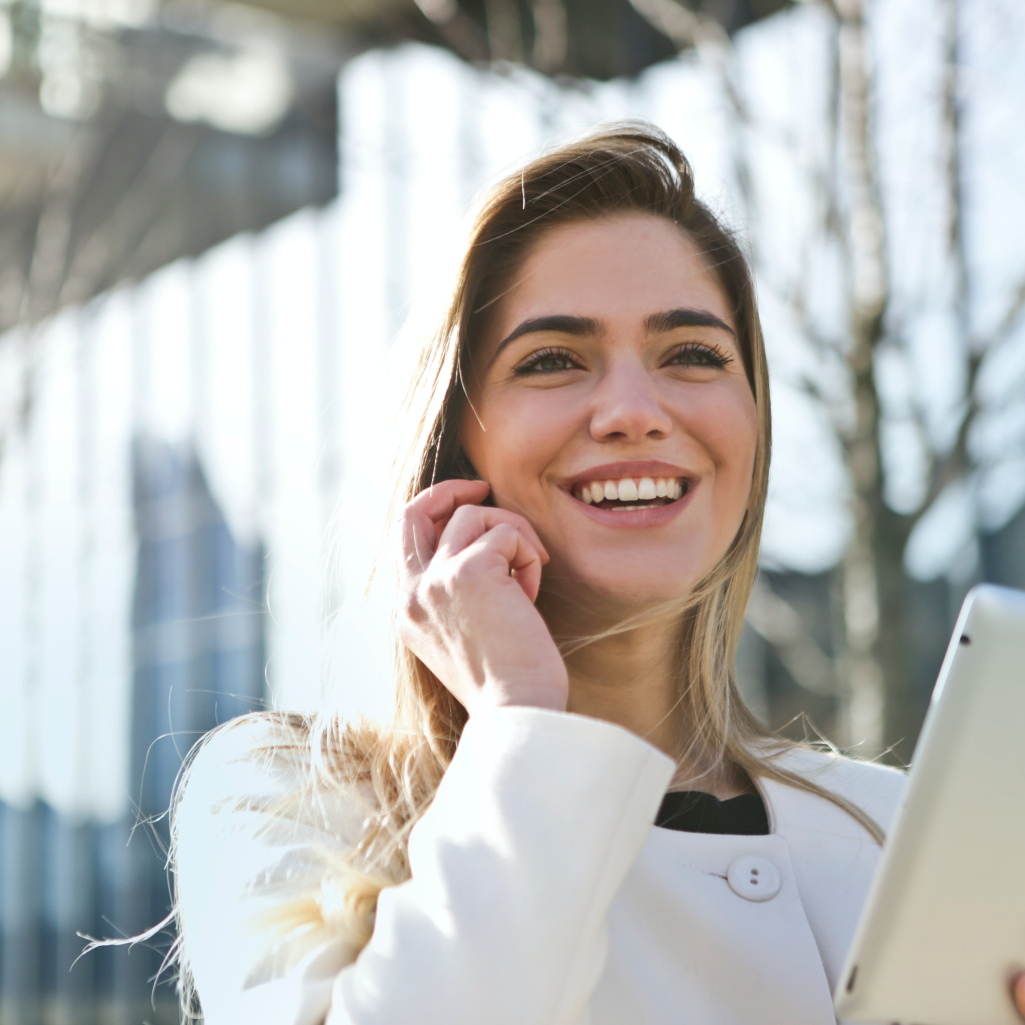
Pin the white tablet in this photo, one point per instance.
(943, 929)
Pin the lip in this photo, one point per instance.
(637, 518)
(634, 469)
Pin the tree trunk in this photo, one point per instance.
(878, 666)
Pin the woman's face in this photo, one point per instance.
(610, 407)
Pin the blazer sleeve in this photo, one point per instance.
(513, 870)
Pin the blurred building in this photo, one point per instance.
(135, 132)
(196, 442)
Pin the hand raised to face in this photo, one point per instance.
(469, 577)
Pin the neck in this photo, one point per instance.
(632, 679)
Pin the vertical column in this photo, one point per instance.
(332, 463)
(368, 274)
(16, 784)
(58, 710)
(19, 946)
(107, 374)
(164, 638)
(107, 585)
(19, 885)
(232, 437)
(294, 529)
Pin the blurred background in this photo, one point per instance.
(215, 220)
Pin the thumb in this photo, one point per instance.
(1018, 992)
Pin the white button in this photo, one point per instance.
(754, 878)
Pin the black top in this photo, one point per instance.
(692, 811)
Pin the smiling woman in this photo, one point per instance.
(572, 816)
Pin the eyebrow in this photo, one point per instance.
(667, 320)
(561, 323)
(671, 319)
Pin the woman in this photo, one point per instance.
(580, 514)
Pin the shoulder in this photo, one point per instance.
(874, 788)
(256, 755)
(261, 766)
(255, 839)
(250, 784)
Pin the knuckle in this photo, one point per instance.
(406, 634)
(411, 610)
(438, 586)
(504, 534)
(465, 513)
(474, 560)
(410, 565)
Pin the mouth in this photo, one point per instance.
(629, 494)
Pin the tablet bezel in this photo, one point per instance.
(940, 888)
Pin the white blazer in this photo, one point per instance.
(541, 892)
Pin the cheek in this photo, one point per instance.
(511, 438)
(727, 423)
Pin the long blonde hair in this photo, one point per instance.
(396, 768)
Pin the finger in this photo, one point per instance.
(419, 540)
(1018, 992)
(423, 518)
(442, 499)
(519, 554)
(468, 523)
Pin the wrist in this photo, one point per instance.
(552, 695)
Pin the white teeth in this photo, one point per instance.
(630, 490)
(627, 490)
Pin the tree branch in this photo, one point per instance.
(1009, 321)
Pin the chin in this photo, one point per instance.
(619, 591)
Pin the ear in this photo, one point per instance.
(465, 470)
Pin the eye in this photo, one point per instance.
(698, 354)
(547, 361)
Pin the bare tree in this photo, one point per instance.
(874, 669)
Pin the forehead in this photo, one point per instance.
(619, 268)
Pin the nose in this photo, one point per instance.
(627, 405)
